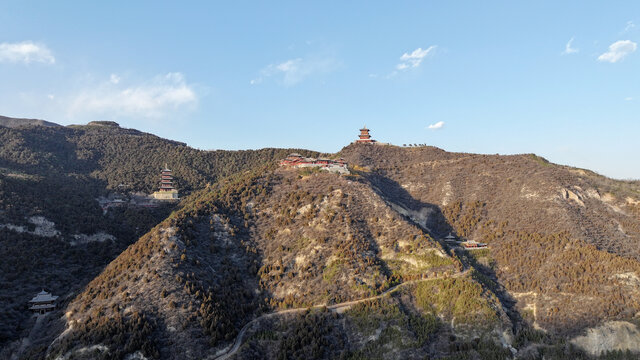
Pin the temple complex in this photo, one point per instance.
(43, 302)
(364, 136)
(166, 191)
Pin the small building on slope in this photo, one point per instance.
(473, 245)
(450, 238)
(42, 303)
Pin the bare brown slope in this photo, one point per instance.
(564, 242)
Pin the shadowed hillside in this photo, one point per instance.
(54, 234)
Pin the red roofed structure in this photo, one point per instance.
(364, 136)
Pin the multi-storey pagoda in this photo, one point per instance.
(364, 136)
(166, 191)
(43, 302)
(166, 184)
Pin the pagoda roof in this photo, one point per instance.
(43, 296)
(42, 306)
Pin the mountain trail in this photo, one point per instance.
(338, 308)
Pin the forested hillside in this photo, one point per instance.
(53, 233)
(564, 242)
(276, 240)
(261, 261)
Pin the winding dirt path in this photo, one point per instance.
(339, 308)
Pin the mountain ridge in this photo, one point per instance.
(18, 122)
(563, 252)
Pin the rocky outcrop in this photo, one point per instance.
(613, 335)
(85, 239)
(575, 196)
(43, 227)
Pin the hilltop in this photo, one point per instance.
(16, 122)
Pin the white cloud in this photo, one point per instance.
(629, 98)
(437, 126)
(294, 71)
(414, 59)
(568, 49)
(618, 51)
(114, 78)
(25, 52)
(152, 99)
(51, 96)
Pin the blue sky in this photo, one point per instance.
(556, 78)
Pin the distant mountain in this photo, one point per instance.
(14, 122)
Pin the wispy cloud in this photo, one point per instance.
(569, 49)
(156, 98)
(294, 71)
(628, 98)
(25, 52)
(618, 51)
(630, 26)
(437, 126)
(414, 59)
(114, 79)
